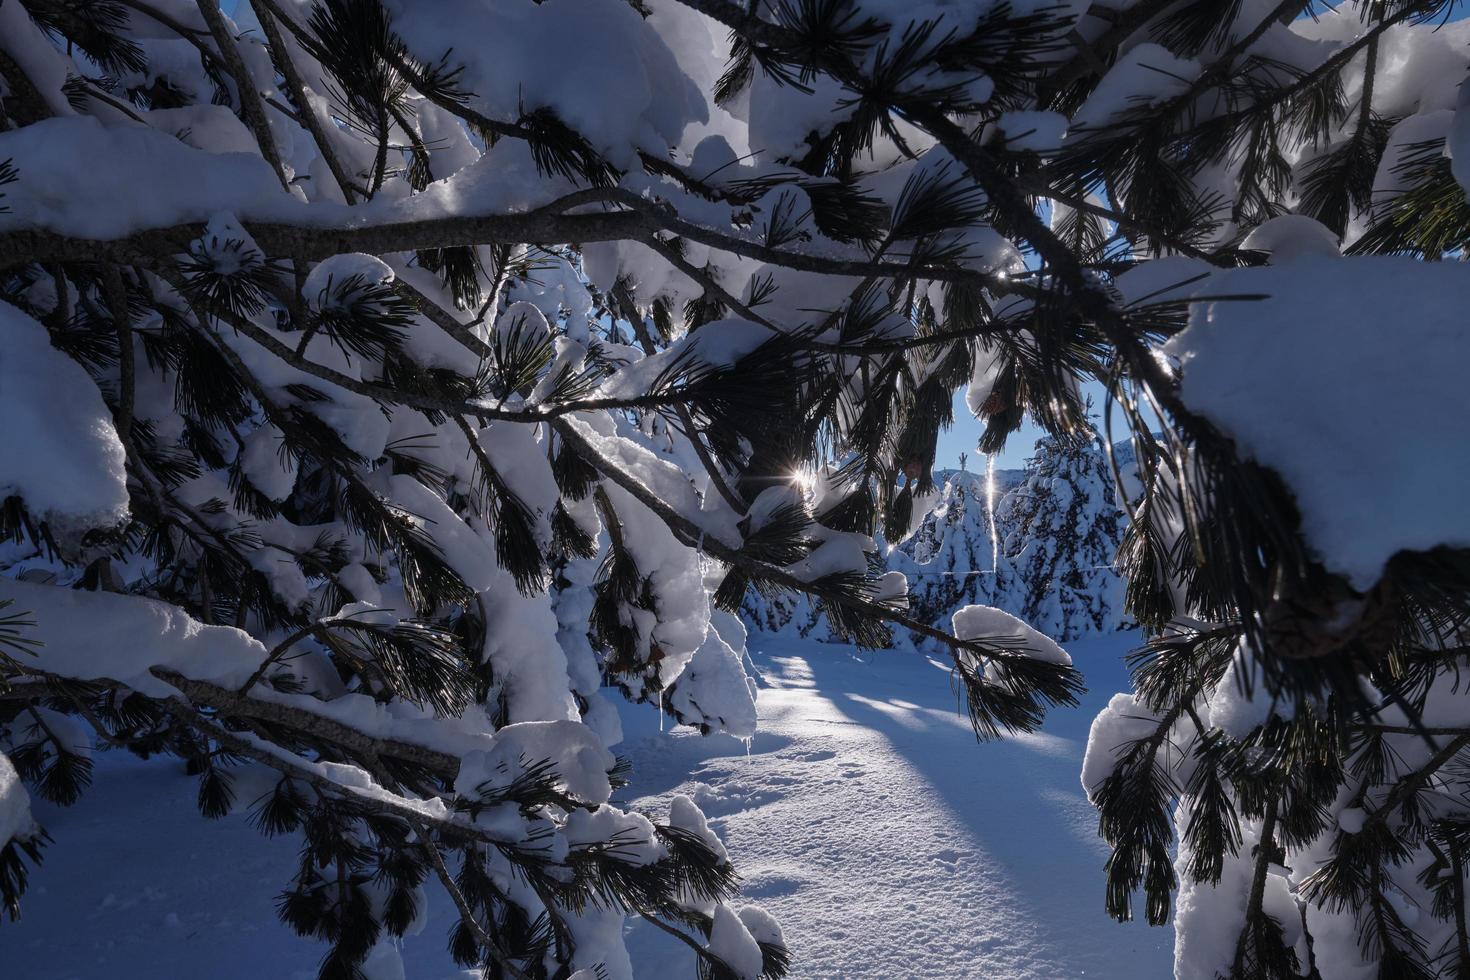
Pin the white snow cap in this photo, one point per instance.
(1039, 131)
(62, 455)
(338, 269)
(1146, 75)
(985, 374)
(1349, 382)
(582, 762)
(266, 465)
(15, 804)
(685, 814)
(226, 245)
(149, 180)
(715, 688)
(1292, 236)
(141, 634)
(987, 623)
(732, 942)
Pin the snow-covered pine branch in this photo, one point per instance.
(379, 377)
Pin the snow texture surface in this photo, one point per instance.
(864, 817)
(987, 622)
(62, 455)
(1308, 382)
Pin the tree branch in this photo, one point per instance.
(297, 87)
(250, 104)
(232, 703)
(466, 914)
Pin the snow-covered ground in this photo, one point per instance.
(864, 816)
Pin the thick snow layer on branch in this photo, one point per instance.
(983, 378)
(1025, 130)
(732, 942)
(80, 178)
(612, 77)
(839, 552)
(581, 761)
(716, 345)
(1117, 726)
(989, 623)
(665, 480)
(781, 116)
(675, 581)
(1349, 382)
(62, 455)
(22, 39)
(15, 804)
(1291, 236)
(139, 634)
(1163, 280)
(267, 465)
(339, 269)
(521, 464)
(686, 815)
(715, 688)
(636, 843)
(529, 663)
(143, 634)
(1147, 75)
(470, 555)
(1209, 916)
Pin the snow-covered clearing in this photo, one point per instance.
(865, 817)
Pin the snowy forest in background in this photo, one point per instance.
(459, 458)
(1037, 543)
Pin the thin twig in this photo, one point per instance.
(466, 914)
(117, 304)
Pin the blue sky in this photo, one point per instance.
(965, 434)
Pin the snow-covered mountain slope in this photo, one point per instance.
(864, 815)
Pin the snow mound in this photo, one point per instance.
(1310, 383)
(62, 454)
(63, 188)
(141, 634)
(987, 622)
(15, 804)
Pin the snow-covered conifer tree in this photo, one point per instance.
(949, 559)
(383, 383)
(1062, 529)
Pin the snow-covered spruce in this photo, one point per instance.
(427, 364)
(1060, 532)
(1038, 542)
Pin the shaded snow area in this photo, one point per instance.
(1280, 377)
(864, 816)
(889, 843)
